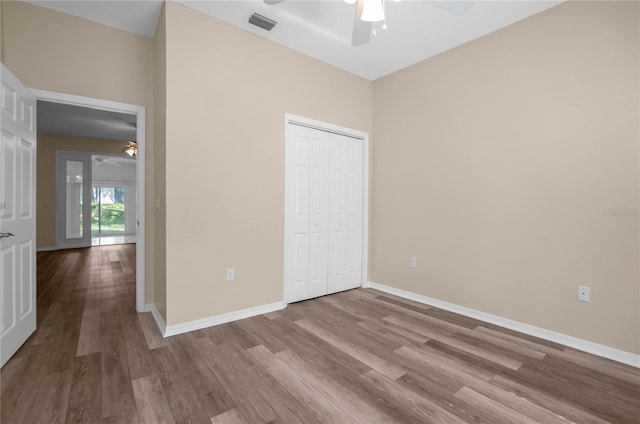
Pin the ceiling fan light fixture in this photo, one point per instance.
(131, 149)
(373, 11)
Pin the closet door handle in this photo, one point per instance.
(317, 225)
(5, 235)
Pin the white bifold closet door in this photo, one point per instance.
(323, 250)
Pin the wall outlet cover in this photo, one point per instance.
(584, 294)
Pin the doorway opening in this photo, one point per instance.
(113, 200)
(112, 209)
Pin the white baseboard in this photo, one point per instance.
(563, 339)
(185, 327)
(162, 326)
(46, 249)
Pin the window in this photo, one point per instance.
(107, 210)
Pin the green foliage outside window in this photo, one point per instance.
(107, 210)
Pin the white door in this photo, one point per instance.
(304, 242)
(323, 212)
(17, 215)
(345, 213)
(319, 216)
(73, 199)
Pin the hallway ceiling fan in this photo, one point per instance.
(131, 149)
(103, 160)
(368, 12)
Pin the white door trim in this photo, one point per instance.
(140, 112)
(290, 194)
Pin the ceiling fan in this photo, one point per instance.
(370, 11)
(131, 149)
(103, 160)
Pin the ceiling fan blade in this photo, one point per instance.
(456, 7)
(272, 2)
(361, 29)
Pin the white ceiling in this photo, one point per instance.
(138, 16)
(322, 29)
(76, 121)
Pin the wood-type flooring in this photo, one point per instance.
(360, 356)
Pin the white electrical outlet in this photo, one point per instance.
(412, 262)
(231, 274)
(584, 294)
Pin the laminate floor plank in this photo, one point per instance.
(429, 411)
(53, 398)
(518, 404)
(232, 416)
(89, 341)
(309, 395)
(259, 328)
(286, 406)
(182, 398)
(611, 368)
(500, 413)
(372, 395)
(509, 345)
(273, 315)
(352, 405)
(360, 356)
(463, 373)
(542, 348)
(315, 350)
(499, 359)
(364, 356)
(392, 308)
(85, 402)
(432, 388)
(354, 332)
(393, 336)
(20, 396)
(597, 394)
(138, 354)
(7, 374)
(118, 403)
(151, 332)
(405, 304)
(363, 310)
(151, 402)
(194, 358)
(552, 403)
(66, 345)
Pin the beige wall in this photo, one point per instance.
(52, 51)
(46, 180)
(160, 143)
(227, 92)
(495, 164)
(1, 35)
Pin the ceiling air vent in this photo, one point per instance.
(262, 22)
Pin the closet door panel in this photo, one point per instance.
(319, 212)
(353, 213)
(323, 242)
(345, 212)
(298, 284)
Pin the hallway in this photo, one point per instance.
(86, 317)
